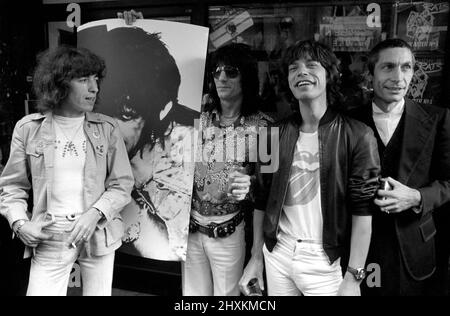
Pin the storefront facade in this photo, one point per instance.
(351, 28)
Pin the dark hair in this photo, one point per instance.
(142, 78)
(239, 56)
(142, 55)
(56, 68)
(389, 43)
(318, 52)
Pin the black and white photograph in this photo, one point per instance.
(206, 152)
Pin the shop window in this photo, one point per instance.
(424, 26)
(351, 31)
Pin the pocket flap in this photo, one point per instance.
(34, 150)
(428, 229)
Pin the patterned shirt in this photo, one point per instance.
(221, 151)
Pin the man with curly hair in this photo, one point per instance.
(76, 163)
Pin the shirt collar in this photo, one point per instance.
(397, 110)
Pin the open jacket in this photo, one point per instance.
(108, 179)
(425, 166)
(349, 170)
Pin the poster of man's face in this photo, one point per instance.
(153, 89)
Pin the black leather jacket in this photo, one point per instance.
(349, 170)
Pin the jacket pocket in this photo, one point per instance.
(114, 231)
(35, 155)
(33, 150)
(428, 229)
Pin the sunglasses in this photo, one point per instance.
(230, 71)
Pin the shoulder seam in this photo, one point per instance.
(30, 118)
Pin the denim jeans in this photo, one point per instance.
(301, 268)
(214, 266)
(52, 264)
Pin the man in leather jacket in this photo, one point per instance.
(316, 208)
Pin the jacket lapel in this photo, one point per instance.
(286, 154)
(47, 143)
(415, 136)
(293, 132)
(93, 133)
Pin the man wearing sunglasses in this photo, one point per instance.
(230, 72)
(221, 200)
(315, 210)
(216, 243)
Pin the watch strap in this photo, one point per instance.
(359, 274)
(352, 270)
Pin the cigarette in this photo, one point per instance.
(73, 245)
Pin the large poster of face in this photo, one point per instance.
(153, 89)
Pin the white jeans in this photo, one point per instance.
(52, 264)
(214, 266)
(301, 268)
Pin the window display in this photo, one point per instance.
(350, 30)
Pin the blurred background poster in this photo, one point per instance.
(153, 89)
(230, 27)
(349, 33)
(423, 24)
(426, 83)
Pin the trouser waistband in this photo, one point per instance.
(214, 230)
(57, 217)
(291, 239)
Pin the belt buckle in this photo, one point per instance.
(213, 230)
(71, 217)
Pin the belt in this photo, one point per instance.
(60, 236)
(69, 217)
(214, 230)
(309, 241)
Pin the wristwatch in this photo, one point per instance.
(18, 225)
(359, 273)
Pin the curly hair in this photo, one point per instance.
(57, 67)
(239, 56)
(374, 54)
(324, 55)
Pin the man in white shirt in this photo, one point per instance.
(414, 148)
